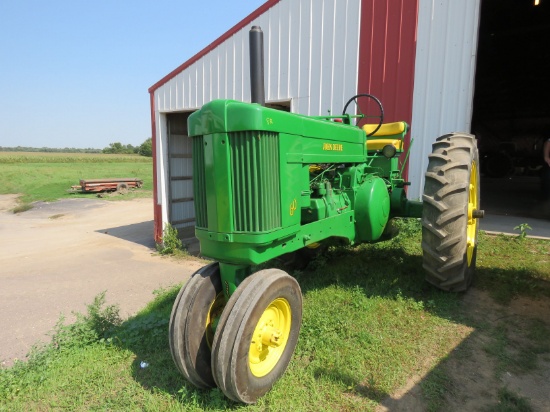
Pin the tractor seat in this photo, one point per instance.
(388, 134)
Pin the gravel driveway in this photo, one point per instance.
(55, 258)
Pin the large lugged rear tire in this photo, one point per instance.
(450, 212)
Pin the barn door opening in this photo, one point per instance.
(511, 115)
(181, 210)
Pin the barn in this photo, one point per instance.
(442, 66)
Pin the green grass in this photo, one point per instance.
(48, 176)
(370, 323)
(364, 332)
(511, 266)
(510, 402)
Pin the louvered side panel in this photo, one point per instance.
(255, 181)
(199, 183)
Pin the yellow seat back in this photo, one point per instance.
(388, 134)
(387, 129)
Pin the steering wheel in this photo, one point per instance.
(365, 101)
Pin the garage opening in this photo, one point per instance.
(181, 210)
(511, 114)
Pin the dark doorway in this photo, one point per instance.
(511, 115)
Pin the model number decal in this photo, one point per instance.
(293, 207)
(335, 147)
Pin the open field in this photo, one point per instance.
(48, 176)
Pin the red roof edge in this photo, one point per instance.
(258, 12)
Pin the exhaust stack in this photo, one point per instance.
(257, 90)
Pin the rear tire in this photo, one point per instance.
(451, 199)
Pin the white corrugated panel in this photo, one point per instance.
(311, 50)
(444, 78)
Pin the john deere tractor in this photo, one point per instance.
(268, 183)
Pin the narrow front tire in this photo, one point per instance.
(256, 335)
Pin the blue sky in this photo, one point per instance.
(75, 73)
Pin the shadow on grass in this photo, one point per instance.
(390, 270)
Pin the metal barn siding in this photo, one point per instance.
(387, 55)
(311, 59)
(444, 78)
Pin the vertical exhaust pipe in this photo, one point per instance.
(257, 89)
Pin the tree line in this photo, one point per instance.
(48, 149)
(144, 149)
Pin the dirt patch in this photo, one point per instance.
(508, 349)
(8, 202)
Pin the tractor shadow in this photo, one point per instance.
(139, 233)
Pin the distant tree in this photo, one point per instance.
(49, 149)
(129, 149)
(146, 148)
(119, 148)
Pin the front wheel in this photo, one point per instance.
(451, 212)
(256, 335)
(191, 331)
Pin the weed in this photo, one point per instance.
(89, 328)
(171, 243)
(523, 228)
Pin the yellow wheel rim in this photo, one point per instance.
(473, 204)
(270, 337)
(214, 313)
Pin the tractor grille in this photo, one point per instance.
(255, 181)
(199, 183)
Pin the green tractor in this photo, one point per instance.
(268, 183)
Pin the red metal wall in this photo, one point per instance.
(387, 55)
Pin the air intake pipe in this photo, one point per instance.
(257, 90)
